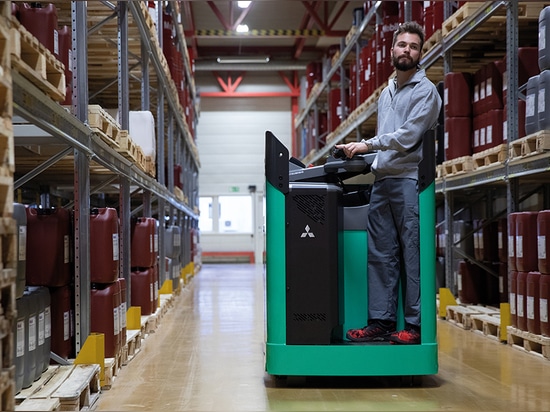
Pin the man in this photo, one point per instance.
(407, 108)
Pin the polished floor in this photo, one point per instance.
(207, 355)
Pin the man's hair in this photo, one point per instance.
(410, 27)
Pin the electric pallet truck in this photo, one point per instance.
(316, 269)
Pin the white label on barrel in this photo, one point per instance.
(500, 240)
(20, 348)
(511, 246)
(48, 322)
(151, 292)
(520, 306)
(512, 303)
(476, 138)
(519, 246)
(530, 105)
(482, 90)
(66, 247)
(459, 281)
(115, 247)
(446, 140)
(542, 100)
(530, 307)
(116, 321)
(446, 96)
(541, 241)
(41, 329)
(489, 134)
(66, 327)
(542, 37)
(156, 246)
(32, 333)
(123, 314)
(151, 243)
(22, 243)
(156, 293)
(476, 93)
(489, 87)
(543, 310)
(177, 240)
(501, 284)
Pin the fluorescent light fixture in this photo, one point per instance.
(243, 4)
(242, 59)
(242, 28)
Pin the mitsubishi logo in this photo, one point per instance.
(307, 232)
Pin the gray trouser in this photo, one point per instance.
(394, 248)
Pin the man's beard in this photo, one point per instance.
(405, 65)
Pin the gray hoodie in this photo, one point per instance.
(404, 115)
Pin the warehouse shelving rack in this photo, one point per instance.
(438, 58)
(80, 161)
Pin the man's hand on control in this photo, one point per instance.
(354, 148)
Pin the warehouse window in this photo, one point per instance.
(226, 214)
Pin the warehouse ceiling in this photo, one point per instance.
(285, 32)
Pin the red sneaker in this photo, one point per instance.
(374, 332)
(408, 336)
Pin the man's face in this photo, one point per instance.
(406, 51)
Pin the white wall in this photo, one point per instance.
(231, 143)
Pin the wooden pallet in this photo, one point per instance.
(432, 41)
(103, 124)
(111, 368)
(526, 10)
(35, 62)
(529, 342)
(460, 315)
(487, 325)
(76, 387)
(7, 388)
(494, 156)
(127, 147)
(133, 344)
(458, 166)
(530, 145)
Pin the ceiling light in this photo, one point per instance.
(242, 59)
(243, 4)
(242, 28)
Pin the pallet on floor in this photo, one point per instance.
(487, 325)
(529, 342)
(76, 387)
(460, 315)
(133, 344)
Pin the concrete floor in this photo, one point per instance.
(207, 355)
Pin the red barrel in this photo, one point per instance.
(478, 81)
(512, 218)
(544, 296)
(503, 282)
(417, 11)
(543, 244)
(532, 304)
(104, 306)
(503, 240)
(143, 242)
(48, 247)
(493, 86)
(41, 22)
(123, 309)
(458, 94)
(526, 242)
(314, 74)
(142, 290)
(61, 343)
(336, 111)
(480, 132)
(513, 288)
(104, 245)
(470, 284)
(494, 131)
(521, 299)
(458, 137)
